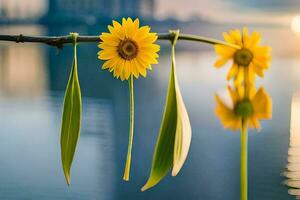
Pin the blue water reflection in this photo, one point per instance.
(30, 150)
(30, 124)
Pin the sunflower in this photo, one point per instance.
(128, 49)
(250, 58)
(253, 108)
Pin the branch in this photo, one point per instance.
(59, 41)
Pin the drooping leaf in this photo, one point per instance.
(174, 136)
(163, 153)
(70, 128)
(183, 133)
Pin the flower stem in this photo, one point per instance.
(247, 82)
(244, 160)
(207, 40)
(128, 160)
(59, 41)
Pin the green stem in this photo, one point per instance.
(244, 160)
(130, 142)
(207, 40)
(246, 82)
(59, 41)
(173, 44)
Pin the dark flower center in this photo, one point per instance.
(128, 49)
(243, 57)
(244, 108)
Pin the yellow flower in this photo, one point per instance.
(253, 108)
(251, 57)
(128, 49)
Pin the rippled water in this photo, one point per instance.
(32, 84)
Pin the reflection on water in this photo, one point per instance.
(30, 128)
(33, 78)
(293, 167)
(22, 67)
(30, 151)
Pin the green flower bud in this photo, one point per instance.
(244, 108)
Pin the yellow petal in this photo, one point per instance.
(262, 63)
(262, 104)
(127, 69)
(245, 33)
(142, 71)
(253, 122)
(136, 23)
(261, 50)
(143, 64)
(150, 38)
(257, 69)
(227, 115)
(220, 62)
(233, 71)
(228, 38)
(142, 33)
(117, 30)
(149, 59)
(253, 40)
(106, 54)
(110, 39)
(240, 76)
(134, 66)
(233, 94)
(236, 35)
(116, 24)
(107, 45)
(251, 75)
(224, 51)
(240, 91)
(130, 28)
(110, 63)
(118, 69)
(252, 90)
(150, 47)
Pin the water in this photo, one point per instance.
(293, 167)
(33, 78)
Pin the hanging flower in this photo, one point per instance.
(251, 58)
(128, 49)
(253, 108)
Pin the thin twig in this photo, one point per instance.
(59, 41)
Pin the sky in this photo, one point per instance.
(251, 11)
(278, 12)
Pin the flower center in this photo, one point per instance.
(128, 49)
(243, 57)
(244, 108)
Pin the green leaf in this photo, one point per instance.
(183, 133)
(70, 128)
(174, 136)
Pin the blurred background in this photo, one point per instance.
(33, 78)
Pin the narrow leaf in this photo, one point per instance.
(70, 128)
(174, 136)
(183, 133)
(163, 153)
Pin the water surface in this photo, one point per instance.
(32, 84)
